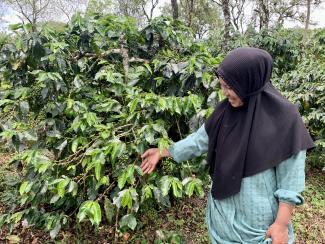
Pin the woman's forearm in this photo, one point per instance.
(278, 231)
(165, 153)
(284, 213)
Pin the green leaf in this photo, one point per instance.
(62, 146)
(177, 187)
(165, 184)
(54, 199)
(74, 145)
(97, 213)
(149, 136)
(25, 187)
(91, 118)
(24, 107)
(109, 210)
(133, 105)
(104, 180)
(128, 220)
(138, 170)
(127, 175)
(15, 26)
(21, 92)
(164, 200)
(122, 179)
(163, 143)
(61, 187)
(82, 214)
(177, 106)
(55, 231)
(127, 198)
(159, 80)
(193, 184)
(73, 188)
(44, 188)
(28, 136)
(42, 167)
(104, 134)
(5, 102)
(7, 134)
(190, 188)
(92, 210)
(146, 192)
(118, 148)
(148, 67)
(162, 103)
(16, 217)
(130, 174)
(98, 170)
(77, 81)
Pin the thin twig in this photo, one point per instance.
(116, 220)
(179, 129)
(106, 190)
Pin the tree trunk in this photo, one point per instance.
(190, 13)
(174, 9)
(226, 15)
(307, 19)
(264, 14)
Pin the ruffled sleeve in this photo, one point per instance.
(192, 146)
(290, 176)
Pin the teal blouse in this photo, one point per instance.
(246, 216)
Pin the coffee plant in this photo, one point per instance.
(79, 107)
(306, 88)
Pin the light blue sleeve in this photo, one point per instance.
(192, 146)
(290, 176)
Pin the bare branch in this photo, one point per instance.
(217, 2)
(154, 4)
(144, 12)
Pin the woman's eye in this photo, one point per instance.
(225, 87)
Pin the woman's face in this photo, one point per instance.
(233, 99)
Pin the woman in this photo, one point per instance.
(256, 143)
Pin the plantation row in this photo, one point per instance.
(79, 107)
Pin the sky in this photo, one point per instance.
(318, 16)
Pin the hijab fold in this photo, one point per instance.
(262, 133)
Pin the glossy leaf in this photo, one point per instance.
(128, 220)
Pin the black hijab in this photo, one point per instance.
(262, 133)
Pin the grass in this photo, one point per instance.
(182, 223)
(309, 219)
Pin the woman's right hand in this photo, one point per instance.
(150, 159)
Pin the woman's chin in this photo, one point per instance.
(235, 104)
(232, 103)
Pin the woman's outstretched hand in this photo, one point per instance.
(150, 159)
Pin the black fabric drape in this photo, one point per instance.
(262, 133)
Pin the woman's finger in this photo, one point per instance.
(145, 166)
(152, 169)
(146, 153)
(148, 169)
(268, 234)
(144, 162)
